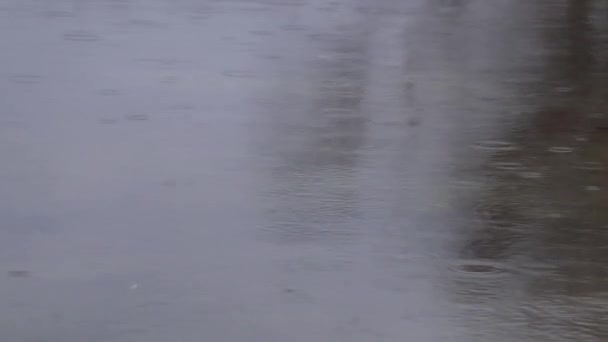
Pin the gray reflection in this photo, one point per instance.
(318, 145)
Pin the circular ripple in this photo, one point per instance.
(561, 149)
(337, 112)
(590, 166)
(466, 185)
(57, 14)
(109, 92)
(107, 121)
(262, 33)
(137, 117)
(508, 166)
(25, 78)
(19, 273)
(81, 36)
(496, 145)
(597, 115)
(563, 89)
(531, 175)
(481, 269)
(293, 27)
(238, 73)
(335, 85)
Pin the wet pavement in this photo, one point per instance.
(303, 170)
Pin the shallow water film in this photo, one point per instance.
(303, 170)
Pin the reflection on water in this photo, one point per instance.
(314, 177)
(304, 170)
(549, 230)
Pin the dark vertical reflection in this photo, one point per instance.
(317, 144)
(536, 255)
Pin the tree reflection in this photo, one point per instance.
(551, 229)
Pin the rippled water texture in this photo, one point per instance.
(299, 170)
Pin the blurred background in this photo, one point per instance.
(303, 170)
